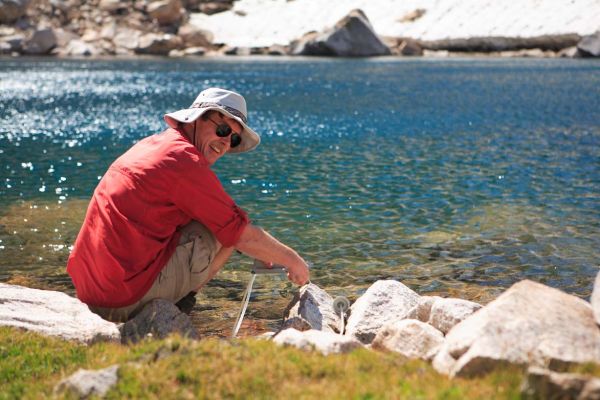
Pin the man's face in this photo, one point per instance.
(209, 144)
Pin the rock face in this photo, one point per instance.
(315, 306)
(12, 10)
(159, 318)
(85, 383)
(528, 324)
(589, 46)
(41, 42)
(545, 384)
(52, 313)
(325, 342)
(384, 302)
(352, 36)
(411, 338)
(595, 299)
(445, 313)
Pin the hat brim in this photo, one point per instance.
(250, 139)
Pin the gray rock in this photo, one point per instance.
(500, 43)
(529, 324)
(352, 36)
(52, 313)
(41, 42)
(85, 383)
(193, 36)
(445, 313)
(385, 301)
(315, 306)
(411, 338)
(166, 12)
(543, 384)
(325, 342)
(159, 318)
(589, 46)
(12, 10)
(422, 310)
(595, 299)
(297, 323)
(158, 44)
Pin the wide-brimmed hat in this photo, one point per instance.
(228, 103)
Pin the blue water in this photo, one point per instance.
(453, 176)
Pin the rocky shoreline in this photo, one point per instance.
(100, 28)
(530, 326)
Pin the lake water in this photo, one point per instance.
(457, 177)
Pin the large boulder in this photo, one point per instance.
(158, 44)
(81, 48)
(12, 10)
(86, 383)
(41, 42)
(313, 305)
(589, 46)
(595, 299)
(159, 318)
(384, 302)
(127, 38)
(445, 313)
(411, 338)
(166, 12)
(352, 36)
(324, 342)
(529, 324)
(52, 313)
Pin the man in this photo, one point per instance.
(160, 225)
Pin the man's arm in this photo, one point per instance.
(259, 244)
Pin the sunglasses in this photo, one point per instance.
(224, 130)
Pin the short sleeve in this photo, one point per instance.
(199, 194)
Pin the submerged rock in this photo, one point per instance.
(529, 324)
(352, 36)
(158, 318)
(313, 305)
(52, 313)
(85, 383)
(325, 342)
(411, 338)
(384, 302)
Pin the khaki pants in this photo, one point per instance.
(186, 271)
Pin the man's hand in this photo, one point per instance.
(298, 273)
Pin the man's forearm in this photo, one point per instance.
(259, 244)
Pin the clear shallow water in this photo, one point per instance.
(457, 177)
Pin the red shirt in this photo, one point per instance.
(131, 227)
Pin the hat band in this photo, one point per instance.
(231, 110)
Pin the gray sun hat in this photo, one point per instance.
(228, 103)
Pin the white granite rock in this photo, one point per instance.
(85, 383)
(315, 306)
(385, 301)
(529, 324)
(595, 299)
(52, 313)
(411, 338)
(325, 342)
(589, 46)
(445, 313)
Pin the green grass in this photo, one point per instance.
(30, 366)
